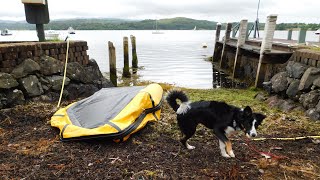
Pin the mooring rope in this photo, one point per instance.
(287, 138)
(64, 73)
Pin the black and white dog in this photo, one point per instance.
(218, 116)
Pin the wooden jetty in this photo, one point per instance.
(255, 59)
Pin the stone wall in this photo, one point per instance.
(300, 82)
(34, 72)
(12, 54)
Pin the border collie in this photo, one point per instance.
(218, 116)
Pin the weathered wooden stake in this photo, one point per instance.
(226, 39)
(218, 30)
(112, 63)
(247, 31)
(241, 40)
(302, 36)
(126, 70)
(289, 34)
(265, 46)
(134, 54)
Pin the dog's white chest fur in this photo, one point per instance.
(229, 130)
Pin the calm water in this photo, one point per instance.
(175, 57)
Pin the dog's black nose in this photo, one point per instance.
(253, 135)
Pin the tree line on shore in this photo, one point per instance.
(179, 23)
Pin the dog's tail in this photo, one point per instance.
(172, 97)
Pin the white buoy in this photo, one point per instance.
(318, 33)
(204, 45)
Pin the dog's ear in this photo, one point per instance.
(247, 111)
(259, 117)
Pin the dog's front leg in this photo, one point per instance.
(222, 147)
(224, 144)
(229, 149)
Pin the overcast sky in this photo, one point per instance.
(307, 11)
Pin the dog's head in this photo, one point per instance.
(250, 121)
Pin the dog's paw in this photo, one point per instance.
(225, 155)
(231, 154)
(189, 146)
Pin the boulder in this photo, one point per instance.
(313, 114)
(7, 81)
(50, 66)
(80, 90)
(316, 82)
(310, 100)
(292, 90)
(295, 69)
(27, 67)
(15, 97)
(287, 105)
(56, 82)
(93, 72)
(31, 86)
(318, 107)
(3, 100)
(275, 101)
(308, 77)
(77, 72)
(279, 82)
(260, 97)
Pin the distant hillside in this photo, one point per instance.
(115, 24)
(178, 23)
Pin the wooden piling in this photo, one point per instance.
(112, 64)
(241, 40)
(247, 31)
(126, 70)
(302, 36)
(134, 53)
(289, 34)
(215, 51)
(266, 45)
(226, 39)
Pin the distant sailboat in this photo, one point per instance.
(195, 28)
(71, 30)
(5, 32)
(157, 30)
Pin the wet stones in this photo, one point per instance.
(27, 67)
(308, 77)
(301, 84)
(279, 82)
(7, 81)
(41, 80)
(295, 69)
(31, 86)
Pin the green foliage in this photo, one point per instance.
(178, 23)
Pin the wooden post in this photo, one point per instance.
(302, 36)
(241, 40)
(289, 34)
(112, 64)
(226, 39)
(126, 71)
(134, 54)
(265, 46)
(234, 32)
(215, 51)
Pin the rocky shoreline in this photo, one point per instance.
(296, 87)
(41, 80)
